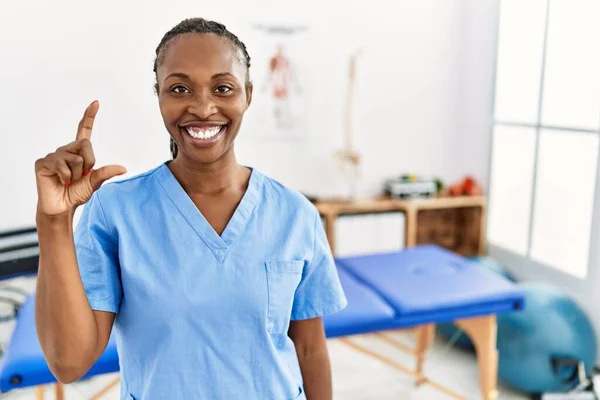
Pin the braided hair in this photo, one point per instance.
(197, 25)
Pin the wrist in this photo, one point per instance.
(54, 222)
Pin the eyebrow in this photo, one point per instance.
(223, 75)
(177, 75)
(186, 76)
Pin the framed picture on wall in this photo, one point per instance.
(280, 72)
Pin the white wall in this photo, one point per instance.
(417, 82)
(477, 76)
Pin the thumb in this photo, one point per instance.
(101, 175)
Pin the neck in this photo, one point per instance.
(209, 179)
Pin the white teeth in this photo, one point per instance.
(202, 133)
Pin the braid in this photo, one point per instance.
(174, 149)
(198, 25)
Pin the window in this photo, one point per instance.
(546, 132)
(513, 151)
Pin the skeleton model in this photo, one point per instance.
(348, 159)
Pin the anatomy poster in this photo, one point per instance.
(279, 72)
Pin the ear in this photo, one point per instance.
(249, 89)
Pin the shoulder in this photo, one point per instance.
(128, 194)
(129, 187)
(289, 214)
(287, 200)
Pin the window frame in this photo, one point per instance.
(534, 268)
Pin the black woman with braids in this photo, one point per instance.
(214, 276)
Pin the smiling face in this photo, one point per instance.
(203, 93)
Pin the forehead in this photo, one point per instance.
(201, 52)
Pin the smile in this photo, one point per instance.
(204, 132)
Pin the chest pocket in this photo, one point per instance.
(283, 278)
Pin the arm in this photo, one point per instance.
(71, 334)
(311, 346)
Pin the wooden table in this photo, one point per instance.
(332, 209)
(482, 330)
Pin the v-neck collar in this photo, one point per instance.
(218, 244)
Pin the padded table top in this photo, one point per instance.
(365, 312)
(427, 284)
(23, 364)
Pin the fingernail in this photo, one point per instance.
(87, 171)
(67, 183)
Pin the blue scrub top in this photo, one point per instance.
(203, 316)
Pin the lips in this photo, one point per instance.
(203, 135)
(204, 132)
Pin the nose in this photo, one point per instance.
(202, 105)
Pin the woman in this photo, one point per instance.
(215, 276)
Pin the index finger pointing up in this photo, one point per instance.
(84, 131)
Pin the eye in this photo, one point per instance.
(223, 89)
(179, 89)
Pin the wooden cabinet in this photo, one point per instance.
(455, 223)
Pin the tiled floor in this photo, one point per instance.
(355, 376)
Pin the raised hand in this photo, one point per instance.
(66, 178)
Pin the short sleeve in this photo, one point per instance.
(97, 256)
(320, 291)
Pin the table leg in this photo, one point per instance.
(424, 335)
(401, 368)
(106, 389)
(59, 391)
(483, 333)
(410, 232)
(40, 392)
(330, 231)
(482, 232)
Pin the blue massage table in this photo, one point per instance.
(23, 364)
(417, 288)
(414, 288)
